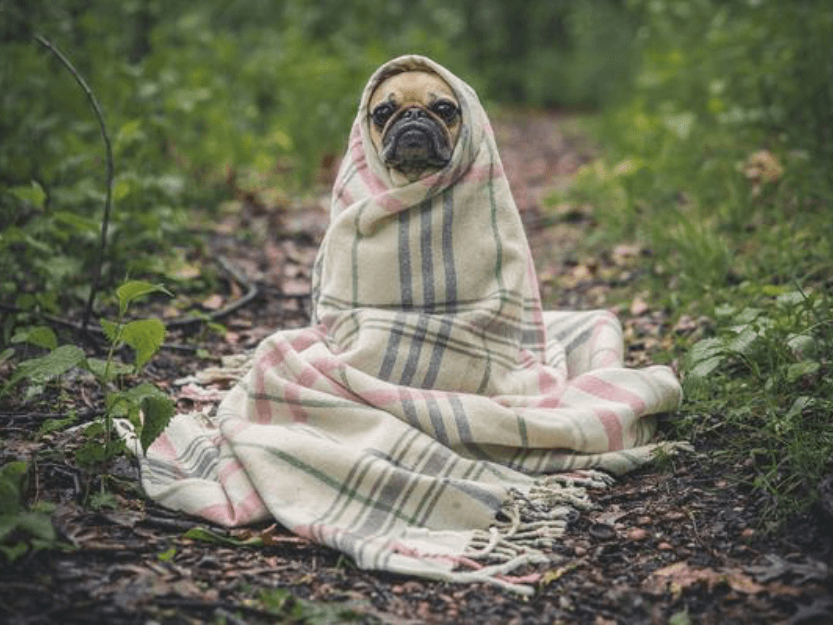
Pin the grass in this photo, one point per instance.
(750, 249)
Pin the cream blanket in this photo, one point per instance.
(433, 420)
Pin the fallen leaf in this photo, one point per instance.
(187, 272)
(638, 306)
(213, 302)
(679, 576)
(763, 166)
(779, 567)
(623, 252)
(555, 574)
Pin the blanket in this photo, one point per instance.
(433, 420)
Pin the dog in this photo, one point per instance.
(414, 120)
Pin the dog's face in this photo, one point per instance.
(414, 123)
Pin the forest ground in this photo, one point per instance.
(678, 543)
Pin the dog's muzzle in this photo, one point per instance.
(416, 138)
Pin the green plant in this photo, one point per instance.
(22, 529)
(715, 163)
(284, 604)
(147, 408)
(767, 376)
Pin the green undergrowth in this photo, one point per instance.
(717, 164)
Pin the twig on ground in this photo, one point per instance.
(252, 292)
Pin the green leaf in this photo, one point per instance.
(6, 354)
(52, 425)
(41, 336)
(33, 194)
(157, 412)
(15, 551)
(90, 454)
(704, 368)
(799, 404)
(704, 358)
(680, 618)
(8, 524)
(744, 341)
(98, 368)
(55, 363)
(36, 524)
(119, 404)
(103, 500)
(167, 555)
(800, 369)
(111, 331)
(792, 298)
(145, 336)
(133, 289)
(11, 487)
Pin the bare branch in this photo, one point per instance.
(108, 200)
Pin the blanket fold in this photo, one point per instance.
(432, 398)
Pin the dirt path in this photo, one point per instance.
(673, 544)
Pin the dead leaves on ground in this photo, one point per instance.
(680, 576)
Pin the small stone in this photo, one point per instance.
(637, 533)
(665, 547)
(643, 520)
(748, 533)
(580, 551)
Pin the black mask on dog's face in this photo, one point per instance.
(414, 123)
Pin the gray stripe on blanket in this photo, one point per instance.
(425, 251)
(407, 298)
(448, 251)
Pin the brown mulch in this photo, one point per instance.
(678, 543)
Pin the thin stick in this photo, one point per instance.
(108, 200)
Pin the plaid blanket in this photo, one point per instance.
(433, 420)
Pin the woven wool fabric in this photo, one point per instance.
(431, 393)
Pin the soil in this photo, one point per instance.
(682, 542)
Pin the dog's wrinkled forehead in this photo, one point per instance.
(411, 87)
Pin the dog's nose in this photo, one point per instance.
(413, 113)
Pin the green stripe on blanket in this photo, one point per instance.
(424, 422)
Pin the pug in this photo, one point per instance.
(414, 123)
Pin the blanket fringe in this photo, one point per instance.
(527, 524)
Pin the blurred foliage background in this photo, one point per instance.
(202, 98)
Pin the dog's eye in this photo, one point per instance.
(382, 113)
(446, 110)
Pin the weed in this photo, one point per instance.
(23, 529)
(147, 408)
(716, 166)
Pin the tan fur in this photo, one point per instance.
(413, 89)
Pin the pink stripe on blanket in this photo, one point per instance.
(164, 447)
(375, 185)
(611, 392)
(309, 337)
(273, 359)
(613, 428)
(231, 514)
(482, 173)
(267, 361)
(228, 469)
(343, 196)
(606, 356)
(417, 554)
